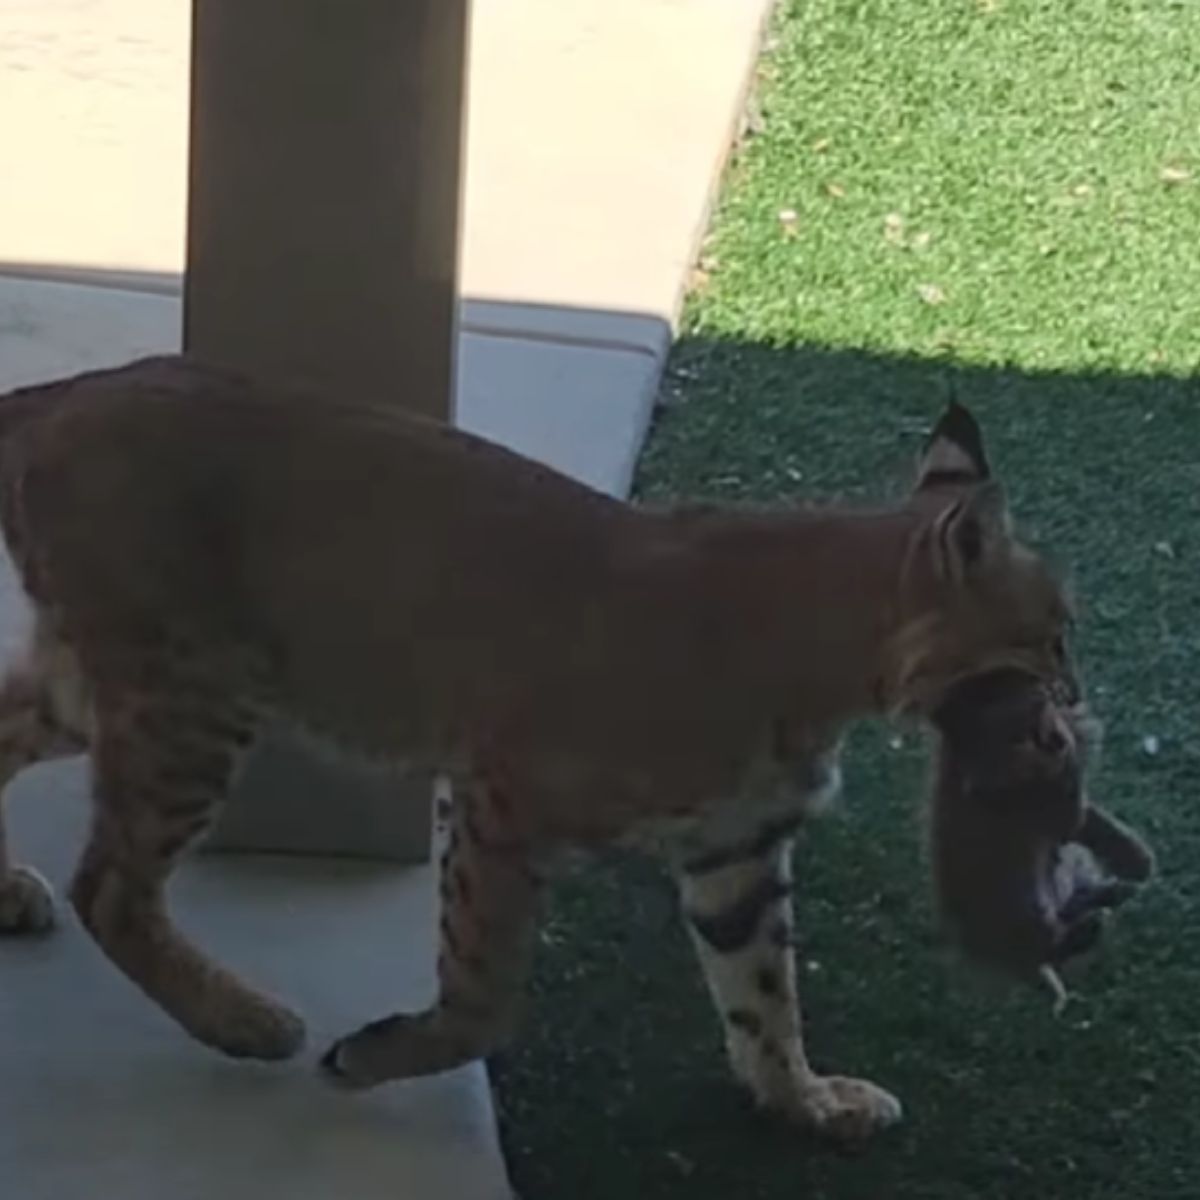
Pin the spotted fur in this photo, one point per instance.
(206, 556)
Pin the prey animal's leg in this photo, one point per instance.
(162, 759)
(490, 889)
(1119, 849)
(737, 904)
(43, 716)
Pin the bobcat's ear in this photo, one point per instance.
(953, 453)
(970, 533)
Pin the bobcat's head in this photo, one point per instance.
(973, 597)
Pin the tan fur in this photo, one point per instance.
(206, 554)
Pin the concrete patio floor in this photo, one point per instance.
(597, 130)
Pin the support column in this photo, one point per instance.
(323, 228)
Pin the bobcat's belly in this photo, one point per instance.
(772, 796)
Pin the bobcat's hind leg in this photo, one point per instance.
(489, 889)
(43, 716)
(163, 756)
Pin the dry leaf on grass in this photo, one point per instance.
(930, 293)
(1173, 176)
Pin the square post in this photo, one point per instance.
(323, 229)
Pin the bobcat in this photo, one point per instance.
(205, 554)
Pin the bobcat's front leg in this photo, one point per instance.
(739, 913)
(490, 889)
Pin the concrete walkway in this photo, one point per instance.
(597, 130)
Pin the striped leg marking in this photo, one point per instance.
(162, 760)
(490, 891)
(739, 914)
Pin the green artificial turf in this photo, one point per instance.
(1049, 151)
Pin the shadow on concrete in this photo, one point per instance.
(159, 283)
(490, 315)
(572, 387)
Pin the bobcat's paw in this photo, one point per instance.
(842, 1109)
(339, 1068)
(403, 1046)
(26, 902)
(254, 1027)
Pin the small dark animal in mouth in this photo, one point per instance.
(1026, 868)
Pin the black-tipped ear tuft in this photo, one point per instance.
(959, 425)
(954, 452)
